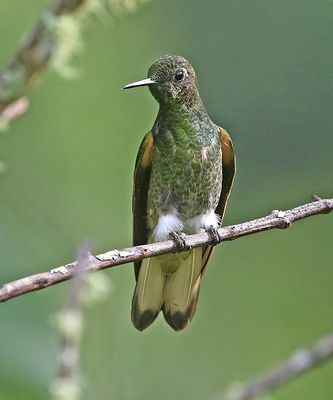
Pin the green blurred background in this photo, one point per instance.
(265, 70)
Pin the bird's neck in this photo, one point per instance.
(183, 107)
(190, 118)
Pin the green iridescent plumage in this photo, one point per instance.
(187, 166)
(183, 176)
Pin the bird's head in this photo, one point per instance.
(171, 79)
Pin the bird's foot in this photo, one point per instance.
(179, 240)
(214, 234)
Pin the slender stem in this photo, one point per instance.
(70, 322)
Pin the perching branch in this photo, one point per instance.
(298, 363)
(276, 220)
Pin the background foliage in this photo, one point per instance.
(265, 73)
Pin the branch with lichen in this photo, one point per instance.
(54, 39)
(276, 220)
(298, 363)
(31, 58)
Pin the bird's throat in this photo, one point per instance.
(183, 121)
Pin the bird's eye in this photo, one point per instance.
(180, 74)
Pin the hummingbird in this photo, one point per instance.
(183, 176)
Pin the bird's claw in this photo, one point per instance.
(179, 240)
(213, 232)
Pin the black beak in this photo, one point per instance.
(144, 82)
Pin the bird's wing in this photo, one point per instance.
(228, 174)
(140, 194)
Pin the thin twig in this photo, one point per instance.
(298, 363)
(276, 220)
(70, 323)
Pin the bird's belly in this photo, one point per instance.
(189, 187)
(184, 194)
